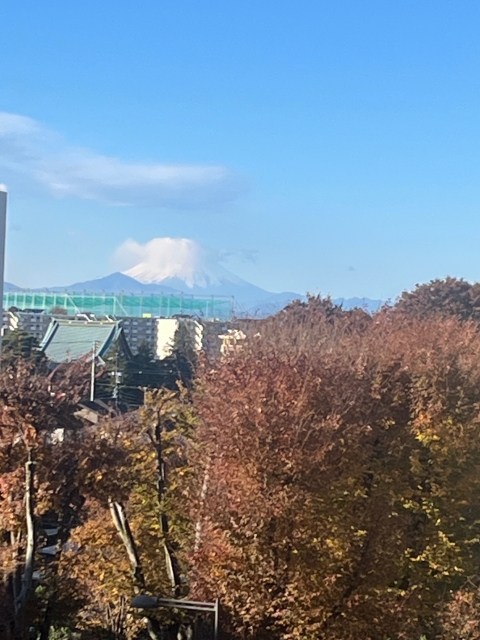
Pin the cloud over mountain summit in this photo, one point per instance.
(163, 259)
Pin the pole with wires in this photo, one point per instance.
(92, 373)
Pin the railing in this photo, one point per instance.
(151, 602)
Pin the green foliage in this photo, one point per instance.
(184, 354)
(63, 633)
(150, 484)
(143, 372)
(128, 379)
(19, 345)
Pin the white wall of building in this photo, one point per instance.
(166, 329)
(3, 228)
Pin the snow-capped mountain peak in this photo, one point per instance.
(162, 260)
(183, 265)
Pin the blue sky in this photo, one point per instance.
(337, 142)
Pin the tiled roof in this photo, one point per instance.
(68, 340)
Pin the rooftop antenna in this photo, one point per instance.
(3, 226)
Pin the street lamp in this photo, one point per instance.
(143, 601)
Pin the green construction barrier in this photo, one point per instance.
(121, 305)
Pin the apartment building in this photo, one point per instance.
(34, 323)
(158, 333)
(139, 330)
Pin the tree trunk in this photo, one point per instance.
(47, 619)
(22, 599)
(71, 506)
(171, 562)
(203, 496)
(123, 527)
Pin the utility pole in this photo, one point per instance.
(92, 373)
(3, 229)
(117, 375)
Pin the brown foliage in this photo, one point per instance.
(49, 465)
(322, 480)
(446, 298)
(338, 476)
(460, 618)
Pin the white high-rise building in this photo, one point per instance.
(3, 227)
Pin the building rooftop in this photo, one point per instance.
(67, 340)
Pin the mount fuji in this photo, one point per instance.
(181, 265)
(249, 299)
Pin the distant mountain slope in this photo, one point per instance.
(210, 281)
(250, 300)
(184, 265)
(115, 283)
(269, 305)
(8, 287)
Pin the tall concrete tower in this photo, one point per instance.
(3, 229)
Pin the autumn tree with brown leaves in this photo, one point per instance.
(35, 411)
(337, 476)
(446, 298)
(51, 464)
(322, 480)
(136, 534)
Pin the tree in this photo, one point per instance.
(135, 536)
(337, 477)
(19, 345)
(34, 410)
(323, 481)
(184, 353)
(130, 378)
(448, 297)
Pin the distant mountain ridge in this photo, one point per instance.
(8, 287)
(115, 283)
(250, 300)
(182, 266)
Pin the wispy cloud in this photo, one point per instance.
(244, 255)
(35, 154)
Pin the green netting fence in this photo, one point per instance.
(155, 305)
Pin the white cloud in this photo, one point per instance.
(31, 153)
(163, 258)
(11, 124)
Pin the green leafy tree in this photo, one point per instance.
(184, 354)
(144, 372)
(128, 379)
(18, 345)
